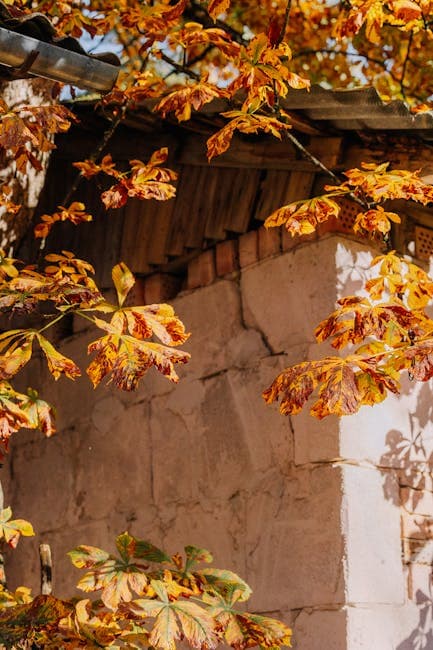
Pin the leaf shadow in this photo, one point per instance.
(409, 457)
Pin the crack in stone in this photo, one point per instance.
(265, 341)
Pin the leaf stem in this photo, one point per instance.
(52, 322)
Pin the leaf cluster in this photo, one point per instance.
(142, 598)
(385, 333)
(124, 352)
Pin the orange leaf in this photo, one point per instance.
(217, 7)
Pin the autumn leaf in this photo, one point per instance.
(75, 213)
(128, 359)
(18, 354)
(159, 320)
(12, 415)
(356, 318)
(217, 7)
(123, 281)
(175, 618)
(58, 364)
(20, 596)
(303, 217)
(143, 180)
(336, 380)
(376, 220)
(41, 415)
(380, 183)
(12, 529)
(190, 97)
(116, 577)
(20, 624)
(195, 555)
(224, 582)
(420, 356)
(242, 629)
(245, 123)
(8, 268)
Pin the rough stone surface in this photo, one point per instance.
(274, 303)
(309, 512)
(321, 629)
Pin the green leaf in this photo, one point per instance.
(19, 623)
(84, 556)
(225, 582)
(125, 544)
(195, 555)
(146, 551)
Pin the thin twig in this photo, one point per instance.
(179, 67)
(318, 163)
(404, 69)
(285, 22)
(94, 156)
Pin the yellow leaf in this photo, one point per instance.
(123, 281)
(58, 364)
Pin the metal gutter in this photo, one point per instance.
(41, 59)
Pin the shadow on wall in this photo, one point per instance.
(410, 458)
(422, 637)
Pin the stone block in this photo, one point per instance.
(216, 526)
(294, 542)
(302, 284)
(213, 315)
(385, 627)
(226, 257)
(201, 270)
(416, 526)
(269, 242)
(248, 249)
(43, 481)
(396, 433)
(316, 441)
(321, 630)
(220, 423)
(371, 525)
(116, 453)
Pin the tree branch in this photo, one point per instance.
(285, 22)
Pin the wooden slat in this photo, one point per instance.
(134, 243)
(281, 187)
(232, 205)
(259, 153)
(159, 229)
(189, 216)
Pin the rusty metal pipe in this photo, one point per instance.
(53, 62)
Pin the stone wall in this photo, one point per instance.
(308, 512)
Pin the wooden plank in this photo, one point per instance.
(242, 188)
(281, 187)
(258, 152)
(159, 229)
(188, 190)
(325, 148)
(134, 242)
